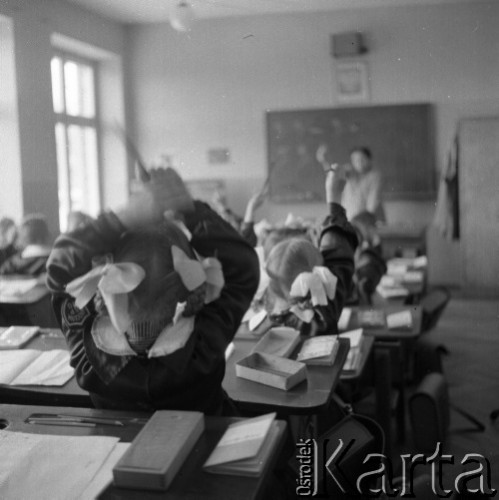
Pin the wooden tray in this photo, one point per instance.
(274, 371)
(278, 341)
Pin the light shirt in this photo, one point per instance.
(363, 193)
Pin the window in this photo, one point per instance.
(76, 135)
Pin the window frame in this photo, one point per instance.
(67, 120)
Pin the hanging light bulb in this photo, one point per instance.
(182, 16)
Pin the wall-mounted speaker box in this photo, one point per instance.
(347, 44)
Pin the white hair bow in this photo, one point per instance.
(114, 282)
(320, 283)
(194, 273)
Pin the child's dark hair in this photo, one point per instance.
(364, 150)
(34, 230)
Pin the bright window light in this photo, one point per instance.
(76, 133)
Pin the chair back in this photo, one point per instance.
(433, 304)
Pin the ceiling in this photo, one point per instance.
(148, 11)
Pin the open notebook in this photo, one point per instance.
(245, 448)
(33, 367)
(42, 467)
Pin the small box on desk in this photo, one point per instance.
(274, 371)
(159, 450)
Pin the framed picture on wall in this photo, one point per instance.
(352, 81)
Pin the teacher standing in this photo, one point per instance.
(363, 190)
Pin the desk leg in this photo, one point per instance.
(303, 427)
(383, 393)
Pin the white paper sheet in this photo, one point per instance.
(344, 319)
(41, 467)
(32, 367)
(104, 476)
(402, 319)
(355, 336)
(13, 287)
(14, 361)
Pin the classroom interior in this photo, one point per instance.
(200, 99)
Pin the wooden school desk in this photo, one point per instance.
(70, 394)
(190, 483)
(356, 374)
(309, 397)
(30, 308)
(383, 332)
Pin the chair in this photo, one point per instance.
(429, 411)
(386, 399)
(433, 305)
(426, 353)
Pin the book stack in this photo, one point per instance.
(319, 350)
(245, 448)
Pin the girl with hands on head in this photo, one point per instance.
(149, 307)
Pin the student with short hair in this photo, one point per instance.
(370, 266)
(33, 242)
(148, 306)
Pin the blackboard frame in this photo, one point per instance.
(400, 137)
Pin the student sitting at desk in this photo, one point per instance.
(34, 244)
(309, 283)
(369, 263)
(155, 335)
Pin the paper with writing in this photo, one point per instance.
(241, 440)
(26, 473)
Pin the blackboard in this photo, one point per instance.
(400, 138)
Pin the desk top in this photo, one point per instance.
(384, 332)
(70, 394)
(33, 295)
(191, 482)
(307, 398)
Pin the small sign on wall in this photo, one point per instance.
(352, 81)
(218, 156)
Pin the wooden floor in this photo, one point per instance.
(470, 330)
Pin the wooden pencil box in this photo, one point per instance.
(159, 450)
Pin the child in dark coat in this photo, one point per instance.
(149, 324)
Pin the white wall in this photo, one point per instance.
(11, 201)
(211, 87)
(34, 22)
